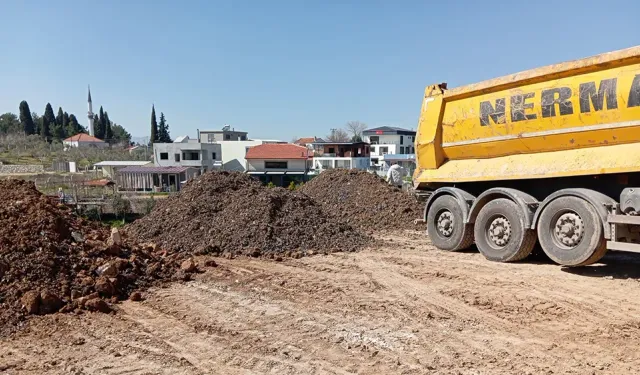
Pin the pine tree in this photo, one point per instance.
(108, 134)
(101, 127)
(163, 130)
(154, 126)
(26, 119)
(48, 122)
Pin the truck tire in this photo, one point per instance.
(446, 227)
(500, 232)
(570, 232)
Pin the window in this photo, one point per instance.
(213, 156)
(343, 164)
(190, 155)
(164, 156)
(177, 156)
(374, 140)
(384, 150)
(275, 165)
(243, 138)
(401, 140)
(227, 136)
(401, 149)
(332, 150)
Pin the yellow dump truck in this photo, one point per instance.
(550, 155)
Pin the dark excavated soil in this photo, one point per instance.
(52, 260)
(232, 213)
(365, 199)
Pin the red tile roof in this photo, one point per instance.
(278, 151)
(82, 137)
(307, 140)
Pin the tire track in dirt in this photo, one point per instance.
(403, 308)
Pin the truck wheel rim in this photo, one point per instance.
(445, 223)
(568, 230)
(499, 232)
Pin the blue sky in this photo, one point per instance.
(280, 69)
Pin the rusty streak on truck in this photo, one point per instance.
(549, 155)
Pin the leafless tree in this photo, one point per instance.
(355, 129)
(338, 135)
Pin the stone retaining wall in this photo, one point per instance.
(21, 169)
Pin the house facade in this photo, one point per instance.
(279, 164)
(347, 155)
(189, 153)
(387, 143)
(84, 140)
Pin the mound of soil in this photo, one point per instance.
(230, 212)
(52, 260)
(365, 199)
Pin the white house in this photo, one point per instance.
(387, 140)
(186, 152)
(234, 145)
(279, 164)
(84, 140)
(347, 155)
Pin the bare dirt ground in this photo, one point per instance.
(401, 309)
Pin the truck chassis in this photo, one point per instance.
(574, 226)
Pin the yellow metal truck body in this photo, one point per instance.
(572, 119)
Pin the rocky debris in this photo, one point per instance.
(189, 266)
(135, 297)
(212, 263)
(229, 213)
(366, 200)
(98, 305)
(52, 260)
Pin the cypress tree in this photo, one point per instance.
(96, 125)
(154, 126)
(65, 124)
(26, 119)
(108, 133)
(74, 126)
(48, 122)
(101, 126)
(59, 116)
(59, 131)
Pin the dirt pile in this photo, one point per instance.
(52, 260)
(232, 213)
(364, 199)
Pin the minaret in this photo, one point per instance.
(90, 114)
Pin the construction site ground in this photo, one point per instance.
(403, 308)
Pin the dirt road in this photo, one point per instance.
(403, 309)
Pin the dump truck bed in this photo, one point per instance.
(575, 118)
